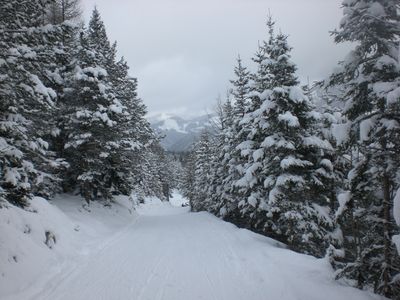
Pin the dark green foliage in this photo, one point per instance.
(370, 75)
(109, 145)
(69, 110)
(28, 52)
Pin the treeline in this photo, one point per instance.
(70, 116)
(314, 167)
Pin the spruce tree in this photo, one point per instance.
(219, 185)
(97, 40)
(289, 169)
(202, 170)
(371, 76)
(92, 114)
(240, 91)
(135, 131)
(188, 187)
(28, 66)
(236, 134)
(249, 137)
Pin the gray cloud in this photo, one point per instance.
(183, 51)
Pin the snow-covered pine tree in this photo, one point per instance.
(135, 132)
(177, 171)
(248, 136)
(63, 81)
(261, 80)
(223, 145)
(137, 141)
(189, 164)
(203, 152)
(59, 52)
(148, 183)
(27, 63)
(236, 133)
(371, 75)
(162, 172)
(240, 91)
(92, 114)
(328, 113)
(289, 169)
(97, 40)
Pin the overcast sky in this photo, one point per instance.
(183, 51)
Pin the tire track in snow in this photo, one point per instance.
(151, 276)
(69, 271)
(192, 256)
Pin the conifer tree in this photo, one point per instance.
(92, 114)
(27, 64)
(202, 171)
(97, 40)
(223, 144)
(249, 137)
(188, 187)
(371, 76)
(289, 167)
(241, 89)
(237, 133)
(135, 131)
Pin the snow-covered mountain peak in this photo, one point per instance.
(179, 132)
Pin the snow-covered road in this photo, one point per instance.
(169, 253)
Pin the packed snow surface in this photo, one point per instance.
(166, 252)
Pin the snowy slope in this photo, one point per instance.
(26, 262)
(169, 253)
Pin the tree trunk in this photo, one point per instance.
(386, 233)
(63, 10)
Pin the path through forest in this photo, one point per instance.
(169, 253)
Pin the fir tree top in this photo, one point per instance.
(97, 35)
(241, 87)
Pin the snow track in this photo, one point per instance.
(168, 253)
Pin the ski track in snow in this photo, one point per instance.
(168, 253)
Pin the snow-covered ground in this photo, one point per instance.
(27, 263)
(161, 251)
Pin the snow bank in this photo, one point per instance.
(24, 253)
(52, 237)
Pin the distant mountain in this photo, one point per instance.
(180, 133)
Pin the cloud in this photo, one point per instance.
(173, 83)
(183, 51)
